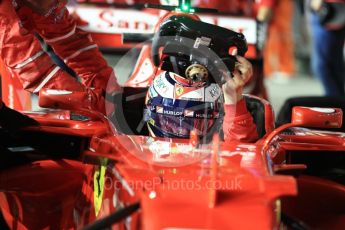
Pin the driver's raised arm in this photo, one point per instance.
(241, 126)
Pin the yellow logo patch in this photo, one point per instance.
(98, 188)
(179, 90)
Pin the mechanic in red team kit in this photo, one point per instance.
(21, 52)
(23, 20)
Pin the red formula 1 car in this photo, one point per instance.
(73, 171)
(77, 170)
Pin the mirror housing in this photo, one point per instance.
(317, 117)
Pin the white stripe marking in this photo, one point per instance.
(44, 82)
(80, 51)
(124, 183)
(30, 59)
(61, 37)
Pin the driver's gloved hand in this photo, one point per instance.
(12, 120)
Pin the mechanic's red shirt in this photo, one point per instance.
(23, 56)
(268, 3)
(241, 126)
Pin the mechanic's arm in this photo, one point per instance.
(52, 21)
(238, 123)
(23, 56)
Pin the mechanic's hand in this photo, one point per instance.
(241, 75)
(264, 14)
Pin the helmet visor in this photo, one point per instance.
(182, 126)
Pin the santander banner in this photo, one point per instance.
(119, 21)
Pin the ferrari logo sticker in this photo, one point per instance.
(98, 188)
(179, 90)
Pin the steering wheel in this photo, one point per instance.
(185, 38)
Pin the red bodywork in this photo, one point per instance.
(78, 169)
(221, 190)
(320, 202)
(213, 186)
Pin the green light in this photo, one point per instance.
(185, 8)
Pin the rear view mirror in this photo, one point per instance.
(317, 117)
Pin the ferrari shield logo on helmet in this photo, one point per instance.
(179, 90)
